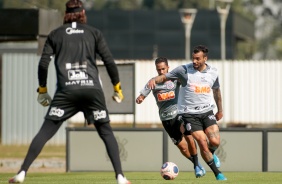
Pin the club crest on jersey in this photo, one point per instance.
(188, 126)
(169, 85)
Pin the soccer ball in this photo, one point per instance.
(169, 171)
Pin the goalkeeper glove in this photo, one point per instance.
(117, 96)
(43, 97)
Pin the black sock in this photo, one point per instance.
(211, 150)
(213, 167)
(195, 160)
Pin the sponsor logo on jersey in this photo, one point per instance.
(99, 114)
(54, 111)
(71, 31)
(168, 114)
(77, 74)
(202, 107)
(166, 96)
(76, 65)
(80, 82)
(202, 89)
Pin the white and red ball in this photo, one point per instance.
(169, 171)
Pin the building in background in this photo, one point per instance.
(143, 34)
(135, 34)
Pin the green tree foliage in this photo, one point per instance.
(245, 50)
(124, 4)
(45, 4)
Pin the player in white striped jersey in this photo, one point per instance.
(166, 95)
(199, 89)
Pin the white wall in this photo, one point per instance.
(251, 91)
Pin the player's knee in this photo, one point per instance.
(214, 143)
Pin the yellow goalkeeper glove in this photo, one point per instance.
(117, 96)
(43, 97)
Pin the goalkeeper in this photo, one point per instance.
(75, 45)
(166, 95)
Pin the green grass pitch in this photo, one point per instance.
(146, 178)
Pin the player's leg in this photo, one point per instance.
(198, 137)
(173, 131)
(106, 134)
(195, 124)
(183, 148)
(100, 118)
(190, 145)
(47, 131)
(211, 131)
(53, 121)
(213, 136)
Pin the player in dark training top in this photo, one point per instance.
(74, 46)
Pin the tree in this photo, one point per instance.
(44, 4)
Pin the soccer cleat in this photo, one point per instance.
(198, 172)
(220, 176)
(203, 169)
(216, 161)
(122, 180)
(19, 178)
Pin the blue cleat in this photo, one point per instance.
(203, 169)
(198, 172)
(216, 161)
(220, 176)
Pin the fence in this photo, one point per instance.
(251, 93)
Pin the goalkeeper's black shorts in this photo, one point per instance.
(91, 102)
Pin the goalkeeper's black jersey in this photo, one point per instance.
(75, 47)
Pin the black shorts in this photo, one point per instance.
(172, 128)
(91, 102)
(195, 122)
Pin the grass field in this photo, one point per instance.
(134, 177)
(19, 151)
(146, 178)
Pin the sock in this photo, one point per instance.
(212, 148)
(214, 169)
(195, 160)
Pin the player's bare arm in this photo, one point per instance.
(218, 101)
(156, 80)
(140, 99)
